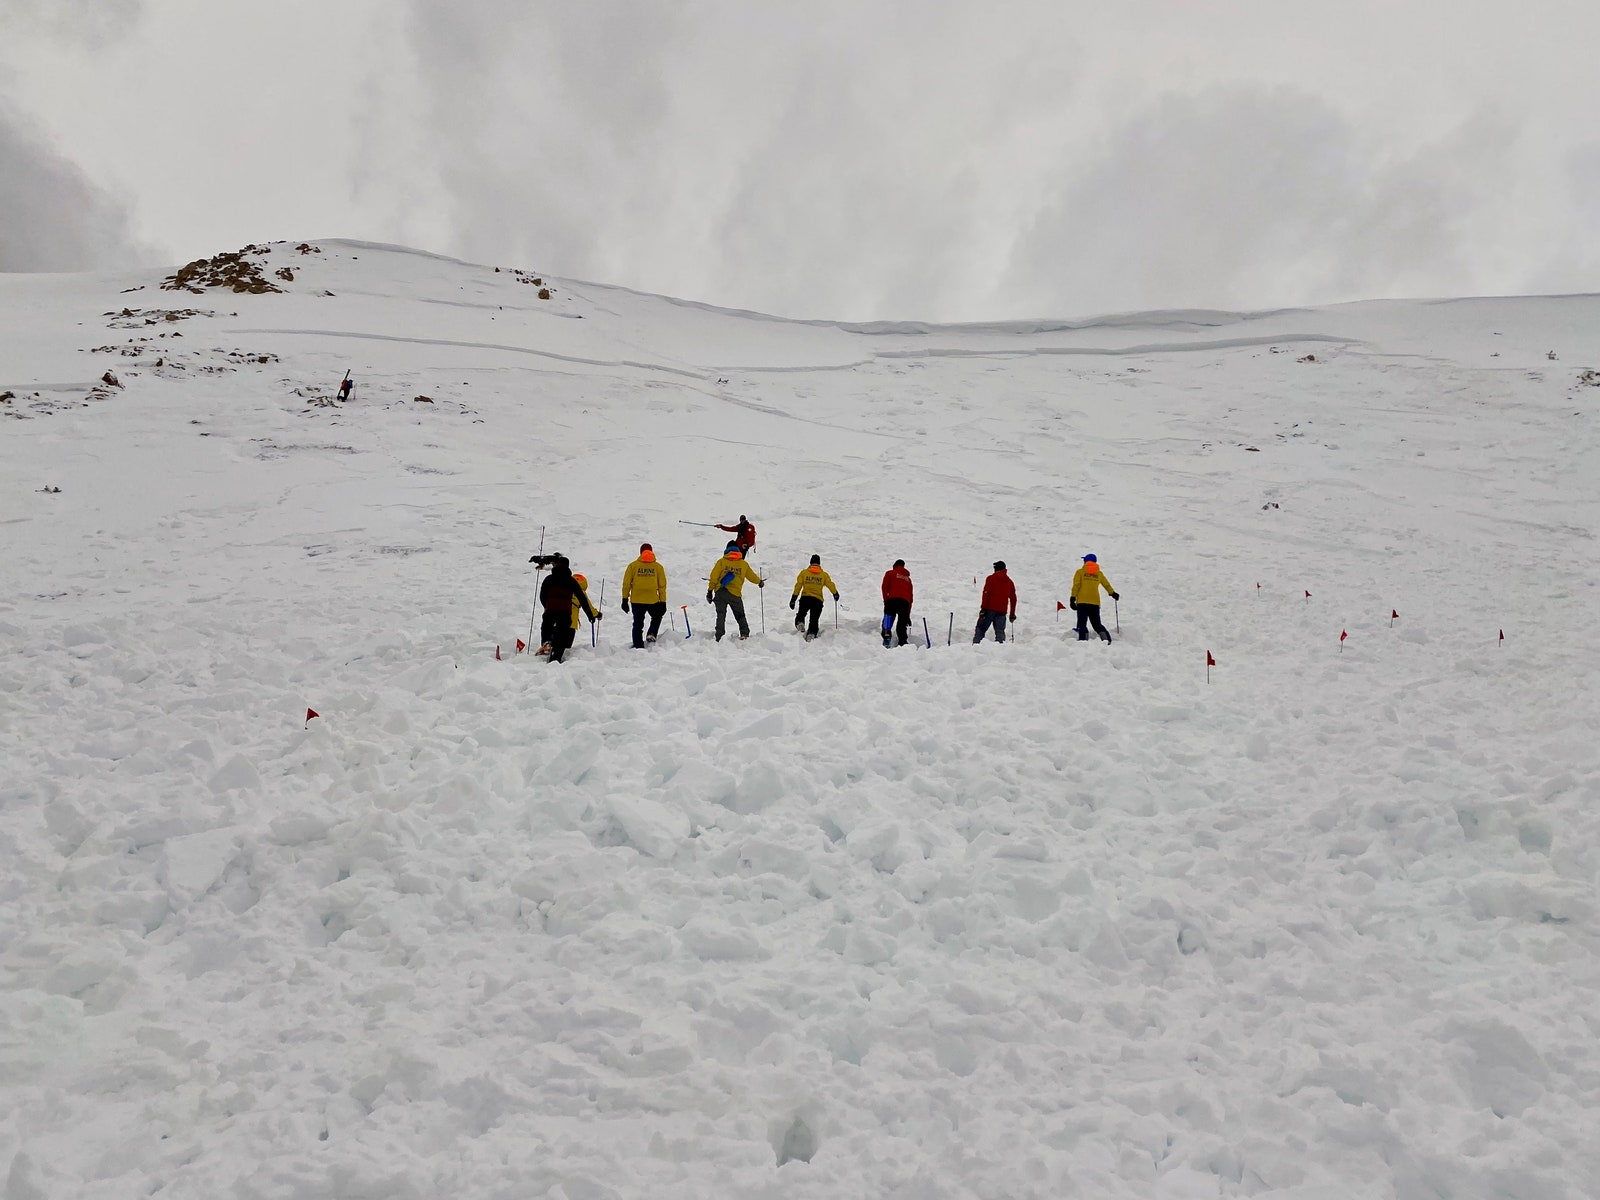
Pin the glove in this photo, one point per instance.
(761, 583)
(1073, 605)
(791, 601)
(598, 614)
(1116, 596)
(709, 597)
(624, 605)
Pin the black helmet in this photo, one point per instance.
(1000, 566)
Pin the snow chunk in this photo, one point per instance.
(191, 865)
(709, 938)
(237, 773)
(652, 827)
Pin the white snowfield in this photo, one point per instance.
(776, 919)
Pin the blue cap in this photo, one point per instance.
(1090, 558)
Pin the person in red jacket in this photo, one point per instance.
(999, 598)
(744, 534)
(897, 601)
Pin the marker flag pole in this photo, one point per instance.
(1210, 662)
(1342, 636)
(1059, 607)
(686, 624)
(926, 634)
(536, 573)
(1308, 597)
(1394, 615)
(950, 636)
(1502, 637)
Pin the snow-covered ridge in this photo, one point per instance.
(789, 919)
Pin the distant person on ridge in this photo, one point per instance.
(725, 588)
(1085, 597)
(559, 593)
(644, 587)
(345, 387)
(999, 597)
(808, 588)
(744, 534)
(897, 596)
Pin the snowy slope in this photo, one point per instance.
(783, 919)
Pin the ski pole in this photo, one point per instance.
(594, 626)
(532, 612)
(926, 635)
(686, 624)
(836, 613)
(701, 524)
(1116, 612)
(763, 590)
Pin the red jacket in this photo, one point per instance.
(897, 585)
(999, 594)
(744, 534)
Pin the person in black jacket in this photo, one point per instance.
(558, 594)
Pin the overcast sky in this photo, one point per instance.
(841, 158)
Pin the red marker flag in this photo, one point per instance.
(1394, 615)
(1342, 636)
(1308, 595)
(1210, 662)
(497, 654)
(521, 645)
(1059, 606)
(1502, 635)
(310, 713)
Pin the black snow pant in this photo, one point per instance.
(986, 618)
(655, 612)
(558, 633)
(726, 601)
(1089, 614)
(810, 606)
(900, 611)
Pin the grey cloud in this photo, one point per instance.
(936, 160)
(52, 217)
(1250, 196)
(91, 23)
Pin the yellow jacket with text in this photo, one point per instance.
(812, 581)
(644, 582)
(731, 573)
(1086, 585)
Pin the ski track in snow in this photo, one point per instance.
(782, 919)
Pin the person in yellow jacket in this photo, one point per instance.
(1085, 598)
(578, 605)
(725, 588)
(808, 588)
(644, 588)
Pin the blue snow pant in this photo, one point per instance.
(989, 617)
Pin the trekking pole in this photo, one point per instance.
(539, 570)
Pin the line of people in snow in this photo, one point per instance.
(564, 596)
